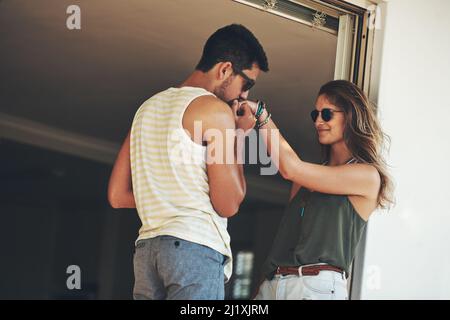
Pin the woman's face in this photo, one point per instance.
(332, 131)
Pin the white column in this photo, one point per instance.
(408, 249)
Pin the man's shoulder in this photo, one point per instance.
(207, 106)
(155, 98)
(209, 102)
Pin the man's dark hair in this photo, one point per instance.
(235, 44)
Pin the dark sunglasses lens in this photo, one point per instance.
(314, 115)
(327, 114)
(248, 85)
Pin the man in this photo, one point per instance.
(184, 185)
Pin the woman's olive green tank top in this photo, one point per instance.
(316, 228)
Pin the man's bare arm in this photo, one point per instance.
(120, 189)
(225, 175)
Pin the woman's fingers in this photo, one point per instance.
(247, 111)
(251, 105)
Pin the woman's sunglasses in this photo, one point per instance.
(326, 113)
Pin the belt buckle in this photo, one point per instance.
(311, 270)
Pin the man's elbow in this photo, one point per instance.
(227, 211)
(115, 201)
(229, 207)
(285, 173)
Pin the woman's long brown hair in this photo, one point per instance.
(363, 134)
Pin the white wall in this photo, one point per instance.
(408, 249)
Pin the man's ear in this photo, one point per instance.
(225, 69)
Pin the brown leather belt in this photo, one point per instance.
(308, 270)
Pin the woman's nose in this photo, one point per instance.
(319, 118)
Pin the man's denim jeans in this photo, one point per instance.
(167, 267)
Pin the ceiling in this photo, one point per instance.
(91, 81)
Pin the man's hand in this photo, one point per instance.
(243, 116)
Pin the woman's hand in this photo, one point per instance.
(251, 104)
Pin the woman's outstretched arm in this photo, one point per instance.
(353, 179)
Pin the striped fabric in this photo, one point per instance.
(170, 182)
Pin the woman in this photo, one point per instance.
(330, 204)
